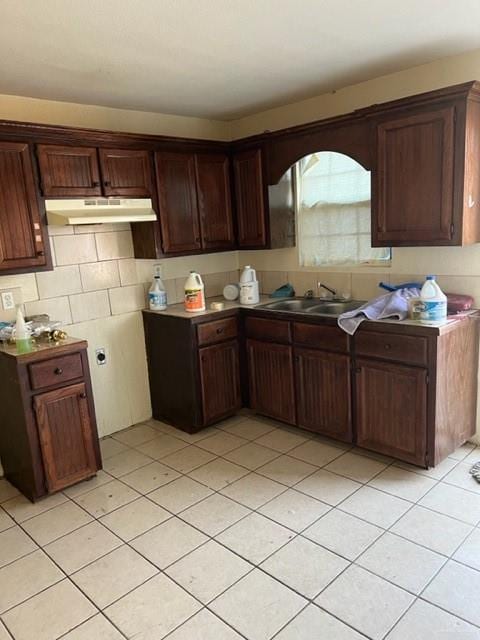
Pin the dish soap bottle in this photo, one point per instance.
(157, 296)
(23, 342)
(433, 306)
(194, 293)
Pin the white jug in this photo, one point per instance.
(194, 293)
(249, 289)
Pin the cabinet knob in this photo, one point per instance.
(82, 395)
(106, 183)
(358, 370)
(387, 346)
(40, 253)
(220, 330)
(96, 183)
(58, 371)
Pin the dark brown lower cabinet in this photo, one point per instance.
(322, 381)
(65, 430)
(391, 409)
(270, 368)
(220, 380)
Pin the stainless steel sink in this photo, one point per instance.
(293, 304)
(335, 308)
(313, 306)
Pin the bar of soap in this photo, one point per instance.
(217, 306)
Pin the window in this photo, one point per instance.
(333, 206)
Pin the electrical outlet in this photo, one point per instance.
(8, 300)
(101, 356)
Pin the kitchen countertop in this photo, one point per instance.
(39, 349)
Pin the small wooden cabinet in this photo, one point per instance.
(23, 240)
(48, 435)
(126, 173)
(220, 380)
(250, 199)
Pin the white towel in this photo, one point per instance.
(389, 305)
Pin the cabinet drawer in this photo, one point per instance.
(217, 331)
(409, 349)
(56, 371)
(268, 330)
(322, 337)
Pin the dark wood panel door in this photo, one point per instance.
(220, 380)
(322, 382)
(69, 171)
(126, 172)
(214, 201)
(413, 196)
(391, 410)
(270, 368)
(177, 198)
(66, 434)
(250, 198)
(22, 233)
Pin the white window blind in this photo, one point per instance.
(334, 212)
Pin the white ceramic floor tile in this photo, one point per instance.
(5, 520)
(356, 467)
(423, 620)
(454, 502)
(218, 474)
(188, 438)
(204, 626)
(313, 623)
(57, 522)
(208, 571)
(152, 610)
(316, 453)
(469, 552)
(463, 451)
(364, 601)
(50, 614)
(456, 589)
(281, 440)
(125, 462)
(460, 476)
(79, 548)
(136, 436)
(433, 530)
(21, 509)
(135, 518)
(106, 498)
(189, 458)
(402, 483)
(162, 446)
(180, 494)
(7, 490)
(221, 443)
(402, 562)
(150, 477)
(251, 455)
(437, 472)
(287, 470)
(112, 576)
(253, 490)
(304, 566)
(249, 429)
(214, 514)
(26, 577)
(14, 544)
(168, 542)
(97, 628)
(343, 533)
(255, 537)
(110, 447)
(328, 487)
(4, 635)
(294, 510)
(258, 606)
(88, 485)
(375, 506)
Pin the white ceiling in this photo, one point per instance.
(219, 58)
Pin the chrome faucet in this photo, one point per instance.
(322, 285)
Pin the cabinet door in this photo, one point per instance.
(250, 200)
(213, 188)
(412, 203)
(220, 380)
(323, 393)
(391, 409)
(177, 202)
(22, 234)
(126, 173)
(66, 432)
(69, 171)
(270, 369)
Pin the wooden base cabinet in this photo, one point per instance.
(48, 434)
(220, 380)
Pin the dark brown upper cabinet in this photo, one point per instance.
(250, 199)
(126, 172)
(69, 171)
(214, 205)
(23, 241)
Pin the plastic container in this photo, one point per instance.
(433, 307)
(157, 295)
(23, 340)
(249, 289)
(194, 293)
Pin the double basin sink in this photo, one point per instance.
(313, 306)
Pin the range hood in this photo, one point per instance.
(98, 211)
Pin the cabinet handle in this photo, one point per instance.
(106, 183)
(95, 184)
(82, 395)
(58, 371)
